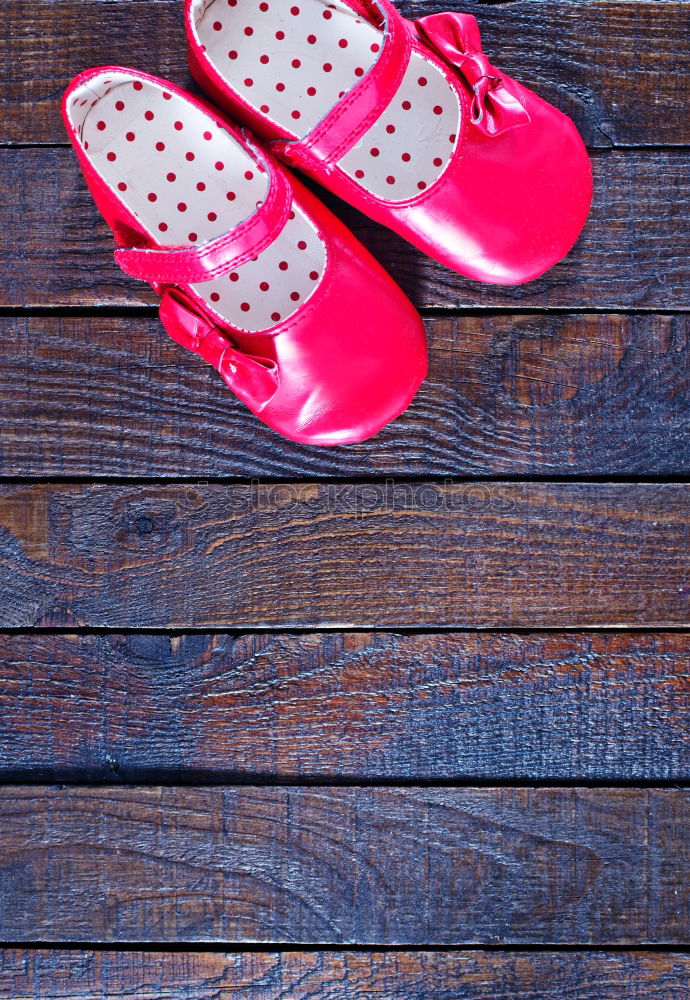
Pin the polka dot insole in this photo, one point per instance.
(187, 180)
(294, 61)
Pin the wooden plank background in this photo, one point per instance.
(313, 782)
(506, 395)
(344, 865)
(479, 555)
(209, 707)
(398, 975)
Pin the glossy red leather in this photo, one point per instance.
(516, 193)
(324, 376)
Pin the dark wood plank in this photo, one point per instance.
(400, 554)
(396, 975)
(204, 708)
(633, 253)
(612, 66)
(344, 865)
(506, 395)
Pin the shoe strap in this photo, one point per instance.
(356, 112)
(190, 264)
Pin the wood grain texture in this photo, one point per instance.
(506, 395)
(398, 975)
(612, 66)
(338, 866)
(520, 392)
(203, 708)
(339, 555)
(634, 251)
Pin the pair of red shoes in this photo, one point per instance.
(405, 120)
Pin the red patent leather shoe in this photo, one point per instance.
(254, 274)
(407, 121)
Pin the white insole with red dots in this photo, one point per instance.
(188, 181)
(293, 61)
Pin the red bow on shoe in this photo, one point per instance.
(456, 38)
(253, 380)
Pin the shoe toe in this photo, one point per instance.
(516, 203)
(352, 365)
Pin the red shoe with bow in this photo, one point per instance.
(255, 275)
(407, 121)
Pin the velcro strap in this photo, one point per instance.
(356, 112)
(190, 264)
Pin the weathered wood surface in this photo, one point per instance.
(634, 252)
(533, 554)
(373, 866)
(506, 395)
(203, 708)
(397, 975)
(612, 66)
